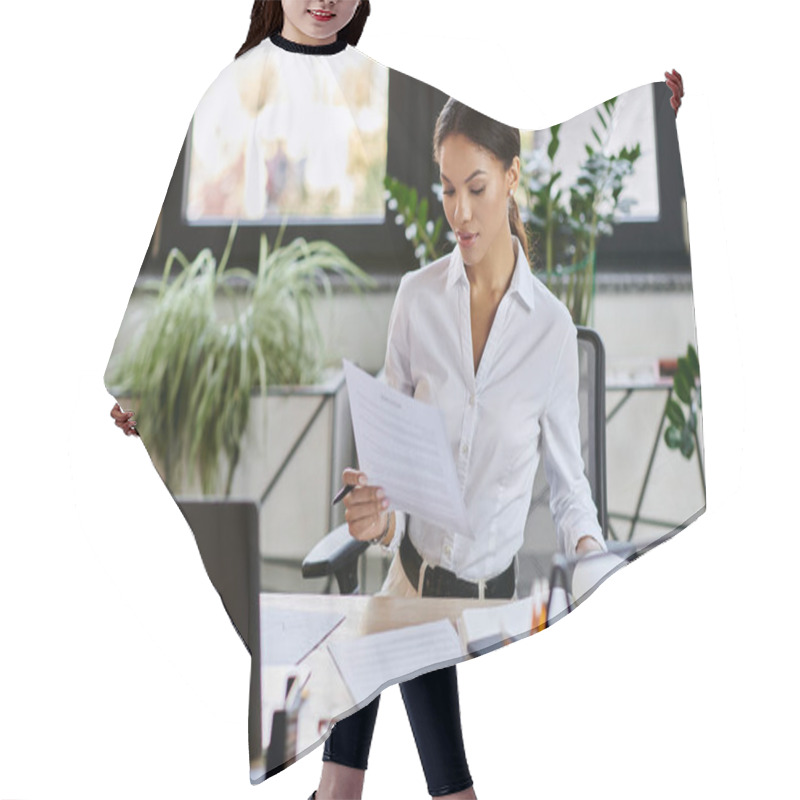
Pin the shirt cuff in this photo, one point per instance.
(590, 527)
(399, 530)
(596, 536)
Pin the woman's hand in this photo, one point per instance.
(365, 507)
(588, 544)
(123, 419)
(675, 83)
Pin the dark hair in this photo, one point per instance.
(501, 140)
(266, 18)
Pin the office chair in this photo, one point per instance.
(337, 553)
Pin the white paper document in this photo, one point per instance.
(288, 635)
(402, 446)
(367, 663)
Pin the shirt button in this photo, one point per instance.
(448, 551)
(472, 399)
(464, 449)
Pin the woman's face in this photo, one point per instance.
(316, 21)
(475, 194)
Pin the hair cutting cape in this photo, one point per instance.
(304, 192)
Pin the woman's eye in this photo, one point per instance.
(448, 192)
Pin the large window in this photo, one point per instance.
(633, 123)
(399, 145)
(336, 193)
(255, 157)
(650, 235)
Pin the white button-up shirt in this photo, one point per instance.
(521, 405)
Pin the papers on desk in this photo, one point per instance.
(482, 630)
(288, 636)
(402, 446)
(368, 663)
(592, 570)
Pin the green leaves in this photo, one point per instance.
(683, 388)
(694, 364)
(673, 437)
(687, 443)
(194, 367)
(675, 414)
(552, 148)
(412, 213)
(681, 434)
(688, 372)
(569, 223)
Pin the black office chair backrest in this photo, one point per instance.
(592, 397)
(540, 528)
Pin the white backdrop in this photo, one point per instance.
(121, 676)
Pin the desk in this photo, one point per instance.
(628, 386)
(328, 696)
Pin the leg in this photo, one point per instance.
(345, 755)
(435, 716)
(339, 782)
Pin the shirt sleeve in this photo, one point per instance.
(571, 503)
(397, 374)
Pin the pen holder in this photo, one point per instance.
(282, 747)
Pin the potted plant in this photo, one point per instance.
(194, 367)
(569, 230)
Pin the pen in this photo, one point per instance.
(345, 490)
(296, 693)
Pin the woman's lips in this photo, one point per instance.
(466, 240)
(323, 16)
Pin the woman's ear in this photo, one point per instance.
(513, 175)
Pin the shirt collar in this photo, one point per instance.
(521, 280)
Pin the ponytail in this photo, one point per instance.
(517, 226)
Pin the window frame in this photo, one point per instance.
(654, 246)
(382, 249)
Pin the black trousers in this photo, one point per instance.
(433, 710)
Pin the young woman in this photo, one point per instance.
(476, 334)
